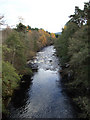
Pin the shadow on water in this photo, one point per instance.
(21, 95)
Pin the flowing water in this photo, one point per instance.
(43, 97)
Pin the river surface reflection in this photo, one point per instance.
(43, 97)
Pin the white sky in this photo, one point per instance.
(51, 15)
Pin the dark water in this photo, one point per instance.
(43, 97)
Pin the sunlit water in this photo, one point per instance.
(44, 96)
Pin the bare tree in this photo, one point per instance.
(1, 20)
(20, 19)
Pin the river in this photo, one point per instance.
(43, 96)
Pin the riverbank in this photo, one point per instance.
(19, 45)
(17, 81)
(72, 49)
(77, 91)
(78, 97)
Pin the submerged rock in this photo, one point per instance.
(50, 60)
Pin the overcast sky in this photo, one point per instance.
(51, 15)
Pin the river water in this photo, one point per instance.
(43, 97)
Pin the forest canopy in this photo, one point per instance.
(73, 50)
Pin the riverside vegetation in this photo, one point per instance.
(19, 46)
(73, 50)
(22, 43)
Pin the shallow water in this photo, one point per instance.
(44, 96)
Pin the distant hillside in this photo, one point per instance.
(59, 33)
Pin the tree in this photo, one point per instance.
(21, 28)
(1, 20)
(43, 40)
(62, 42)
(80, 16)
(86, 10)
(28, 28)
(10, 80)
(16, 56)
